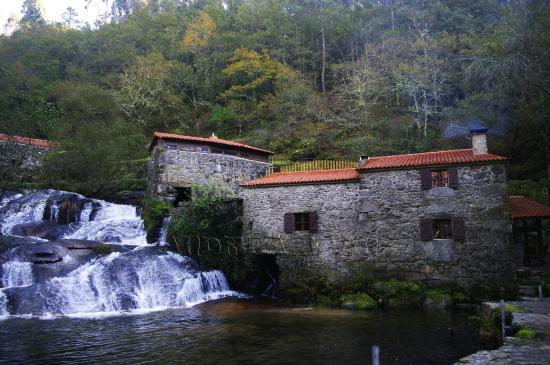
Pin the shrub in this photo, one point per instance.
(525, 333)
(397, 293)
(103, 249)
(207, 230)
(154, 211)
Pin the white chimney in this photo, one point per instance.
(479, 140)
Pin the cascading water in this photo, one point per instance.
(163, 231)
(64, 276)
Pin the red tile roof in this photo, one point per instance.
(305, 177)
(29, 141)
(451, 157)
(527, 208)
(209, 141)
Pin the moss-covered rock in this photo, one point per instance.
(103, 249)
(526, 333)
(154, 211)
(358, 301)
(438, 298)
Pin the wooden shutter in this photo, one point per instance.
(426, 229)
(289, 223)
(453, 177)
(313, 222)
(459, 229)
(426, 179)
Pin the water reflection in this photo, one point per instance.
(234, 332)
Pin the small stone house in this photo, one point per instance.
(437, 217)
(179, 161)
(20, 157)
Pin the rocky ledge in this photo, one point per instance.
(532, 314)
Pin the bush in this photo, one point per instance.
(154, 211)
(103, 249)
(207, 230)
(398, 293)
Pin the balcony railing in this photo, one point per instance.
(315, 165)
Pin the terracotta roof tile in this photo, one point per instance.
(209, 140)
(29, 141)
(527, 208)
(451, 157)
(305, 177)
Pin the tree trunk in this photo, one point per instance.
(323, 50)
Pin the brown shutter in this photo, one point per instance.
(313, 222)
(289, 222)
(453, 177)
(459, 229)
(426, 229)
(426, 179)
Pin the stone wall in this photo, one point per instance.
(377, 222)
(19, 162)
(329, 248)
(169, 169)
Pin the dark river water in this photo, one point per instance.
(233, 332)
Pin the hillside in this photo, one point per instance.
(307, 79)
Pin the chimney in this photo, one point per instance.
(479, 140)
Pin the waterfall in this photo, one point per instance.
(16, 273)
(66, 277)
(135, 280)
(163, 231)
(3, 304)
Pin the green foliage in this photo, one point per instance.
(154, 211)
(397, 293)
(207, 230)
(358, 301)
(103, 249)
(395, 74)
(525, 333)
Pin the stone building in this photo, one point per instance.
(437, 217)
(179, 161)
(20, 157)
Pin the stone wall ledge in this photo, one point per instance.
(517, 350)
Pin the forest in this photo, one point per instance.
(307, 79)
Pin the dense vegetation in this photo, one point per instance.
(306, 78)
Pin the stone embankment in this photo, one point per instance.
(533, 314)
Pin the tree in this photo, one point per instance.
(70, 17)
(32, 15)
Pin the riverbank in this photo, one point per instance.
(530, 345)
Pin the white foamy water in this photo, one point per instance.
(3, 304)
(22, 209)
(131, 281)
(141, 280)
(163, 231)
(17, 273)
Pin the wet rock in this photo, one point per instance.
(74, 244)
(45, 230)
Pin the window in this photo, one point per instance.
(440, 178)
(442, 229)
(217, 151)
(202, 149)
(303, 221)
(430, 178)
(187, 148)
(231, 153)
